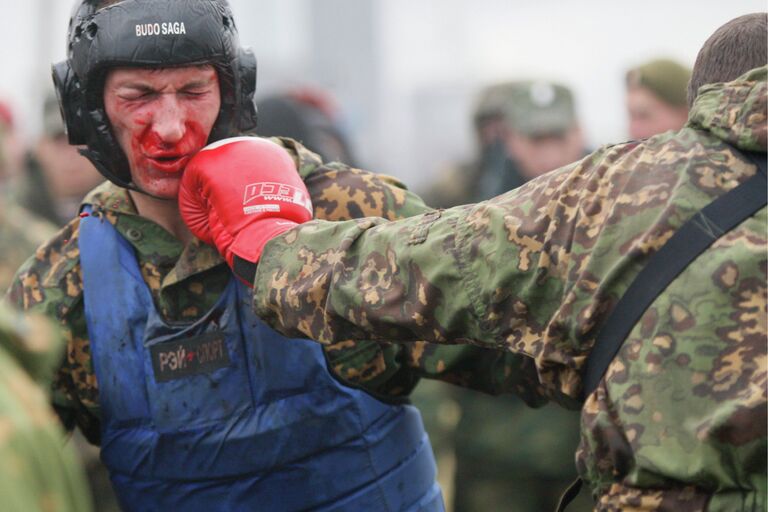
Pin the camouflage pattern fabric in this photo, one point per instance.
(38, 472)
(491, 473)
(21, 232)
(186, 281)
(679, 421)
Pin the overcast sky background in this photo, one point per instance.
(406, 72)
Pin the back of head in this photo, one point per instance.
(287, 115)
(735, 48)
(280, 115)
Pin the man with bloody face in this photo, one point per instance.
(196, 404)
(161, 117)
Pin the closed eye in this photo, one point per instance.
(136, 92)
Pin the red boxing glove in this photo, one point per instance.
(238, 194)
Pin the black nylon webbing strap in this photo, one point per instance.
(569, 495)
(244, 269)
(693, 238)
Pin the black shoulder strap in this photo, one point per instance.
(693, 238)
(569, 495)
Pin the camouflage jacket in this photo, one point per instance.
(186, 281)
(38, 472)
(679, 421)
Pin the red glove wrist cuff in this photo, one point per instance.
(250, 242)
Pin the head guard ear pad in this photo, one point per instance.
(67, 91)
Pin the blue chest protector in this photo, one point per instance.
(225, 414)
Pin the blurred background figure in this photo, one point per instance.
(523, 129)
(21, 231)
(542, 131)
(55, 177)
(309, 116)
(460, 183)
(44, 194)
(38, 471)
(657, 97)
(11, 147)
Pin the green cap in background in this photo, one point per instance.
(530, 107)
(539, 107)
(665, 78)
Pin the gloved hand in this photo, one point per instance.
(238, 194)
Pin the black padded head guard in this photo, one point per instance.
(148, 33)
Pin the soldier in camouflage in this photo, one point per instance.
(37, 471)
(491, 170)
(678, 422)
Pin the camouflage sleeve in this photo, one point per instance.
(394, 369)
(678, 422)
(492, 274)
(403, 281)
(341, 193)
(37, 470)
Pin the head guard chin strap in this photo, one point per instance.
(148, 34)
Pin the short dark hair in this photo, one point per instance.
(734, 49)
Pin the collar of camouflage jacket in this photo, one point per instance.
(735, 111)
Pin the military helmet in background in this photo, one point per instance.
(148, 34)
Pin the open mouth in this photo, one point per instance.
(169, 163)
(167, 158)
